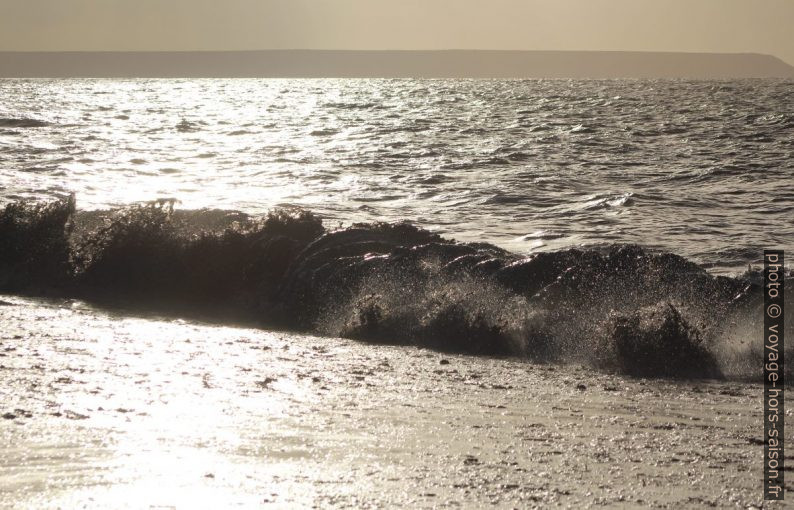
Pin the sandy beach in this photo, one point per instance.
(105, 409)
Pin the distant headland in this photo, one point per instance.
(392, 64)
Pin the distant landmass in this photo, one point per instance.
(392, 64)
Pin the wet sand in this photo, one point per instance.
(109, 410)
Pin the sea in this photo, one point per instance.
(702, 169)
(618, 223)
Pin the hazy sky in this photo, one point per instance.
(760, 26)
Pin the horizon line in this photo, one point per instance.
(434, 50)
(440, 63)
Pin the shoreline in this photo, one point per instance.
(264, 417)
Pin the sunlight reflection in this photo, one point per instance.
(173, 398)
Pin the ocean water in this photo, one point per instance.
(702, 169)
(609, 223)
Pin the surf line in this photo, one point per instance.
(774, 386)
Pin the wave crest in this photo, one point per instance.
(623, 308)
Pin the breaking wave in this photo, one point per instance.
(622, 308)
